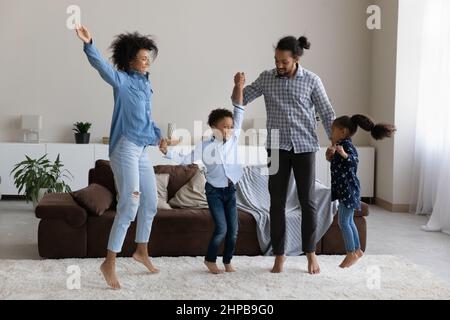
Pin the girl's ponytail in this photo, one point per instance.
(378, 131)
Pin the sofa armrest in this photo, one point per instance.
(61, 206)
(364, 212)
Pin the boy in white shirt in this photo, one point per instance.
(220, 157)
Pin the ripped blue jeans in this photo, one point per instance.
(136, 186)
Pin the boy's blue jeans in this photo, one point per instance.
(348, 228)
(136, 185)
(222, 206)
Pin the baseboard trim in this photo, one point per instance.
(368, 200)
(12, 197)
(393, 207)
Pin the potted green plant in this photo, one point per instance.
(36, 177)
(82, 134)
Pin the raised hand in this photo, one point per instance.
(84, 34)
(239, 79)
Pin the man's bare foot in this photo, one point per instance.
(278, 264)
(359, 253)
(349, 260)
(109, 273)
(313, 264)
(145, 260)
(229, 268)
(212, 267)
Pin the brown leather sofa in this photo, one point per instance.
(66, 230)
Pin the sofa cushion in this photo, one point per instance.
(179, 176)
(162, 180)
(95, 198)
(104, 176)
(176, 232)
(192, 194)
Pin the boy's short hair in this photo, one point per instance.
(217, 115)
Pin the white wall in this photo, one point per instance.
(202, 44)
(382, 100)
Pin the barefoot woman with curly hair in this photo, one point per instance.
(132, 131)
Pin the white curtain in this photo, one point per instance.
(431, 175)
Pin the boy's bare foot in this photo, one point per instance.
(212, 267)
(145, 260)
(229, 268)
(109, 273)
(313, 264)
(278, 264)
(349, 260)
(359, 253)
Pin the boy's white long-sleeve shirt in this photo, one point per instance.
(221, 159)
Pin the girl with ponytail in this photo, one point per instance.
(345, 185)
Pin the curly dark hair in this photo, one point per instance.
(378, 131)
(126, 46)
(217, 115)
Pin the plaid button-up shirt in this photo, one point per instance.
(291, 105)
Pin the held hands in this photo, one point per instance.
(239, 80)
(333, 149)
(84, 34)
(163, 146)
(330, 153)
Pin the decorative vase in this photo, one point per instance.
(170, 130)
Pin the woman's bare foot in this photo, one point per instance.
(145, 260)
(349, 260)
(229, 268)
(108, 270)
(313, 264)
(359, 253)
(278, 264)
(212, 267)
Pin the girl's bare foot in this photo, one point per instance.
(359, 253)
(212, 267)
(229, 268)
(145, 260)
(349, 260)
(278, 264)
(313, 264)
(108, 270)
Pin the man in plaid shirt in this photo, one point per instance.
(292, 96)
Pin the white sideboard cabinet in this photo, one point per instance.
(79, 158)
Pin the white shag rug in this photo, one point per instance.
(373, 277)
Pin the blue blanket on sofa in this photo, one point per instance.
(253, 197)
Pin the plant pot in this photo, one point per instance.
(82, 138)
